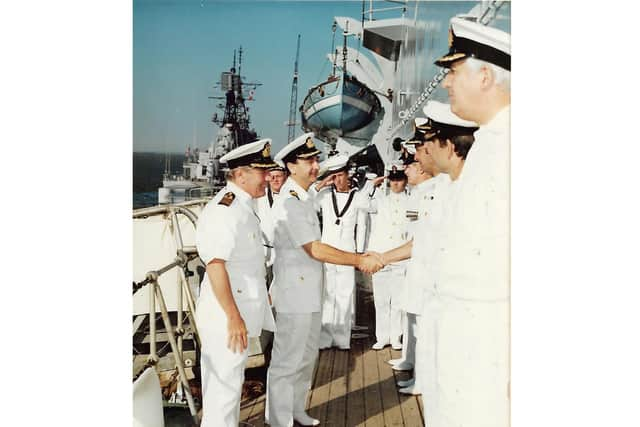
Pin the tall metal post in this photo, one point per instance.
(294, 97)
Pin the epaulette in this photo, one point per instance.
(294, 194)
(227, 199)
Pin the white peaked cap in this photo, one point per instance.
(441, 114)
(470, 39)
(300, 148)
(335, 163)
(254, 154)
(419, 121)
(411, 149)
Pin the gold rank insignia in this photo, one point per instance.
(412, 215)
(267, 150)
(310, 143)
(227, 199)
(425, 127)
(294, 194)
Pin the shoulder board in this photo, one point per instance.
(294, 194)
(227, 199)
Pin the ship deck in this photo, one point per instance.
(355, 387)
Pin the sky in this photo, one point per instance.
(181, 47)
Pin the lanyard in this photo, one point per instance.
(270, 197)
(335, 203)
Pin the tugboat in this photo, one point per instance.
(202, 175)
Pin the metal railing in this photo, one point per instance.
(184, 254)
(368, 14)
(200, 192)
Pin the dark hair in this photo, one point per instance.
(461, 144)
(397, 144)
(286, 168)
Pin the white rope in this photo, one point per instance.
(489, 14)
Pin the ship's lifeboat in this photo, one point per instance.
(340, 105)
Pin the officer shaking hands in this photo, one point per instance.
(297, 285)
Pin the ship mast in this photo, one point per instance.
(294, 97)
(236, 114)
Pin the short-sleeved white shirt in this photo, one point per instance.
(475, 230)
(232, 233)
(388, 221)
(428, 199)
(297, 278)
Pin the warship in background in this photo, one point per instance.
(393, 63)
(202, 175)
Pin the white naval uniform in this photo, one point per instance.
(349, 235)
(433, 198)
(413, 214)
(230, 233)
(472, 287)
(264, 212)
(422, 200)
(296, 293)
(388, 231)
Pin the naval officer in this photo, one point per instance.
(416, 178)
(233, 304)
(297, 285)
(422, 177)
(447, 142)
(430, 200)
(344, 209)
(388, 231)
(275, 178)
(443, 124)
(472, 269)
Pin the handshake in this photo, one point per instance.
(370, 262)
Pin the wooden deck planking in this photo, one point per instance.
(336, 405)
(256, 417)
(356, 387)
(388, 390)
(245, 408)
(411, 408)
(317, 407)
(373, 401)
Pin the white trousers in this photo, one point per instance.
(337, 306)
(222, 378)
(388, 315)
(409, 339)
(472, 365)
(426, 350)
(419, 373)
(293, 358)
